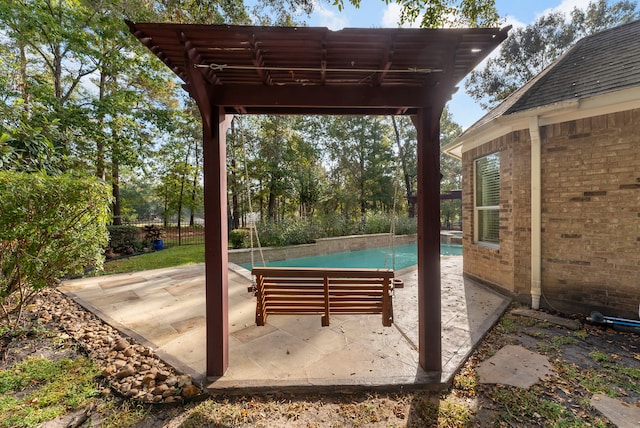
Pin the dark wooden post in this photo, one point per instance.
(427, 123)
(216, 242)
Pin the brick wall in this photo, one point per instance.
(590, 215)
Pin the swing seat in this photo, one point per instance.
(322, 291)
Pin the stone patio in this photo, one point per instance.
(165, 309)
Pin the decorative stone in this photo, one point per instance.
(171, 381)
(121, 345)
(148, 378)
(125, 371)
(109, 371)
(162, 375)
(189, 391)
(160, 389)
(129, 352)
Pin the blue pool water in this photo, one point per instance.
(406, 255)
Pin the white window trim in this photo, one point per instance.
(477, 209)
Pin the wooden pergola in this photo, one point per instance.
(314, 71)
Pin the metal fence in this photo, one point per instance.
(172, 233)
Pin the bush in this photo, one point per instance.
(337, 225)
(286, 232)
(406, 226)
(238, 238)
(121, 237)
(377, 223)
(49, 227)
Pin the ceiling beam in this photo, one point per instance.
(320, 96)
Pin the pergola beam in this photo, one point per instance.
(317, 97)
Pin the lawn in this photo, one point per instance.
(169, 257)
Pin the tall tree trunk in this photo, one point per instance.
(181, 194)
(115, 186)
(271, 208)
(195, 185)
(405, 171)
(100, 147)
(24, 89)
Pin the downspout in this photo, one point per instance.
(536, 213)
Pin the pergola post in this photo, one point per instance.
(216, 243)
(427, 123)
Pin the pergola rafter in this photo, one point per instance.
(286, 70)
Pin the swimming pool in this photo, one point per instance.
(406, 255)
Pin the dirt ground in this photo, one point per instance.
(593, 359)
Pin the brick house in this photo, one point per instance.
(551, 183)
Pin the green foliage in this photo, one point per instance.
(51, 389)
(377, 223)
(49, 227)
(238, 238)
(121, 237)
(527, 51)
(441, 13)
(288, 232)
(335, 224)
(406, 226)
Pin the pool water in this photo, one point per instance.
(405, 256)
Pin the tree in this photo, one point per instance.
(451, 170)
(406, 141)
(440, 13)
(362, 162)
(529, 50)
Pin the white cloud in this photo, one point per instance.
(391, 18)
(329, 18)
(565, 7)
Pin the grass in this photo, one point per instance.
(169, 257)
(37, 389)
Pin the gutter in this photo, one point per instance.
(536, 212)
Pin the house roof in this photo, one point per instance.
(250, 69)
(602, 63)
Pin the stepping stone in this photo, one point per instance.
(516, 366)
(620, 414)
(543, 316)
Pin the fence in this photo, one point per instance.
(172, 234)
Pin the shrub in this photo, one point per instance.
(49, 227)
(377, 223)
(121, 237)
(337, 225)
(286, 232)
(406, 226)
(238, 238)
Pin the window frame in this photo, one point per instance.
(477, 209)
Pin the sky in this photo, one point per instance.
(375, 13)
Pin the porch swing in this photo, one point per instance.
(323, 291)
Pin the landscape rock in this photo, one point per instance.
(189, 391)
(133, 370)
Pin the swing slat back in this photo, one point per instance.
(323, 291)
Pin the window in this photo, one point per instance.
(487, 201)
